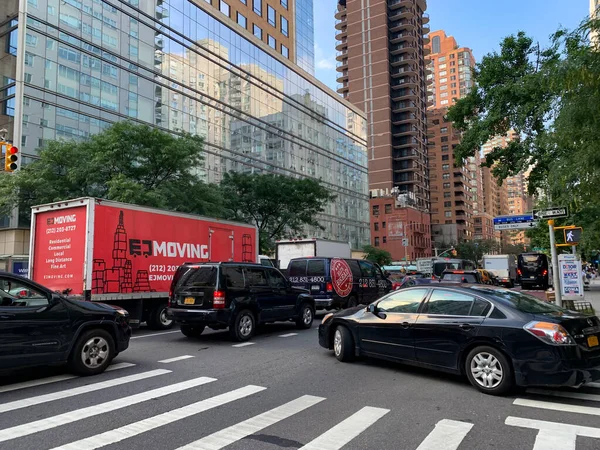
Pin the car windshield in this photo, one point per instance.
(524, 302)
(198, 276)
(462, 277)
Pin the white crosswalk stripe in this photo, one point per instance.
(447, 435)
(11, 406)
(348, 429)
(564, 407)
(177, 358)
(119, 434)
(553, 435)
(83, 413)
(55, 379)
(248, 427)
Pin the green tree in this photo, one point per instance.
(377, 255)
(474, 250)
(126, 162)
(279, 206)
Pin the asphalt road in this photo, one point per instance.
(281, 392)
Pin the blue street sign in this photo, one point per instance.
(21, 268)
(513, 219)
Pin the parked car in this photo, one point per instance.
(486, 277)
(498, 338)
(237, 296)
(39, 327)
(534, 269)
(338, 282)
(461, 276)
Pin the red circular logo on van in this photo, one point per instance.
(341, 277)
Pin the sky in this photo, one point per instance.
(477, 24)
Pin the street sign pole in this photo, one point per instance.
(555, 268)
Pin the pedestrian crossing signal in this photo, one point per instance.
(573, 235)
(11, 157)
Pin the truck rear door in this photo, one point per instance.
(220, 245)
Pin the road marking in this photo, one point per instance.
(177, 358)
(447, 435)
(11, 406)
(288, 335)
(136, 428)
(566, 394)
(243, 429)
(155, 334)
(83, 413)
(243, 344)
(55, 379)
(554, 435)
(348, 429)
(557, 406)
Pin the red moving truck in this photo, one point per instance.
(125, 254)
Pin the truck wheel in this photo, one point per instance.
(243, 326)
(306, 316)
(92, 353)
(158, 319)
(192, 331)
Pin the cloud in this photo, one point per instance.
(323, 61)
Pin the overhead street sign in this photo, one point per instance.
(514, 226)
(551, 213)
(523, 218)
(573, 235)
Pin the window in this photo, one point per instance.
(376, 242)
(385, 239)
(241, 20)
(480, 308)
(368, 269)
(31, 40)
(256, 277)
(449, 303)
(448, 214)
(257, 31)
(446, 185)
(444, 148)
(276, 279)
(383, 225)
(18, 294)
(436, 44)
(284, 3)
(284, 51)
(244, 2)
(445, 166)
(316, 268)
(447, 204)
(271, 15)
(445, 157)
(224, 7)
(406, 302)
(297, 268)
(234, 277)
(284, 25)
(375, 210)
(447, 194)
(271, 41)
(388, 208)
(446, 176)
(257, 6)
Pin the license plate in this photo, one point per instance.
(189, 301)
(532, 277)
(316, 287)
(592, 341)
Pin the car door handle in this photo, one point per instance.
(405, 324)
(466, 326)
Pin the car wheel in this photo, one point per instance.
(243, 326)
(343, 344)
(489, 371)
(158, 319)
(306, 317)
(351, 303)
(92, 353)
(192, 331)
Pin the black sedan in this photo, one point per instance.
(498, 338)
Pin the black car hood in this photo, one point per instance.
(94, 306)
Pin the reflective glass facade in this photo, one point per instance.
(169, 63)
(305, 35)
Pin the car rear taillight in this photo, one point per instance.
(550, 333)
(329, 287)
(519, 271)
(545, 272)
(219, 300)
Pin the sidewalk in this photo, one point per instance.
(593, 295)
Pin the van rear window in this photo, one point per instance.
(531, 258)
(297, 269)
(198, 276)
(316, 268)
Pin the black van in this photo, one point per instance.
(337, 282)
(533, 269)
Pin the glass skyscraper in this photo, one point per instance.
(221, 70)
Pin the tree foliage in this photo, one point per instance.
(377, 255)
(551, 98)
(279, 206)
(127, 162)
(474, 250)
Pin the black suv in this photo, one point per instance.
(235, 295)
(39, 327)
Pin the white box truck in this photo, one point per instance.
(285, 251)
(503, 266)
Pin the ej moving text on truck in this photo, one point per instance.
(125, 254)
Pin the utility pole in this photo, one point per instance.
(555, 268)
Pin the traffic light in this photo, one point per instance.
(453, 252)
(11, 158)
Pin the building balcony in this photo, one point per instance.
(404, 94)
(342, 77)
(404, 119)
(341, 55)
(408, 131)
(404, 47)
(342, 66)
(408, 58)
(406, 82)
(341, 19)
(425, 18)
(395, 4)
(342, 45)
(405, 155)
(405, 143)
(398, 107)
(426, 39)
(402, 25)
(426, 29)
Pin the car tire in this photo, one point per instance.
(343, 344)
(306, 317)
(192, 331)
(351, 303)
(92, 353)
(158, 319)
(243, 326)
(482, 363)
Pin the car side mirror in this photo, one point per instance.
(54, 299)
